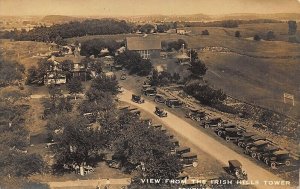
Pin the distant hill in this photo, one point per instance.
(250, 16)
(59, 19)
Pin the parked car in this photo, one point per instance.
(182, 149)
(266, 152)
(250, 140)
(254, 148)
(212, 122)
(160, 112)
(246, 136)
(174, 103)
(280, 157)
(189, 159)
(235, 168)
(157, 126)
(196, 114)
(220, 130)
(150, 91)
(160, 98)
(232, 134)
(137, 99)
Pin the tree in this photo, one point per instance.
(292, 27)
(54, 92)
(256, 38)
(237, 34)
(78, 143)
(10, 71)
(270, 35)
(194, 55)
(198, 69)
(75, 86)
(106, 84)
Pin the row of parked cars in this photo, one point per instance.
(256, 146)
(184, 153)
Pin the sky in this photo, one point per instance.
(145, 7)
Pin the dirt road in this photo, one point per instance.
(257, 176)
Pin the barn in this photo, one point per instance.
(147, 47)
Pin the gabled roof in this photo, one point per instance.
(143, 43)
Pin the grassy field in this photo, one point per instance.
(25, 52)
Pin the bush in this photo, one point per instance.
(256, 38)
(237, 34)
(205, 32)
(205, 94)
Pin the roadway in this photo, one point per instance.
(256, 174)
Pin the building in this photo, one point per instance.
(147, 47)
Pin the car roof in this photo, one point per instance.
(249, 134)
(260, 142)
(232, 129)
(182, 148)
(257, 137)
(189, 154)
(235, 163)
(281, 152)
(272, 147)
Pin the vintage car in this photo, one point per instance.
(189, 159)
(196, 114)
(250, 140)
(232, 134)
(235, 168)
(220, 130)
(169, 135)
(137, 99)
(246, 136)
(212, 122)
(280, 157)
(267, 152)
(157, 126)
(255, 147)
(150, 91)
(136, 112)
(182, 149)
(173, 103)
(160, 112)
(160, 98)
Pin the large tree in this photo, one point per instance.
(75, 86)
(198, 68)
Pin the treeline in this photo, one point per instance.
(72, 29)
(228, 23)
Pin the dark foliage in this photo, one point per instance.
(176, 45)
(204, 93)
(58, 32)
(10, 72)
(205, 32)
(292, 27)
(256, 38)
(237, 34)
(94, 46)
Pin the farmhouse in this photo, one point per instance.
(145, 46)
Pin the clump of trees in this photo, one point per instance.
(204, 93)
(198, 68)
(292, 27)
(133, 62)
(58, 32)
(163, 78)
(94, 46)
(10, 71)
(15, 162)
(174, 45)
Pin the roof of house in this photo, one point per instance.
(143, 43)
